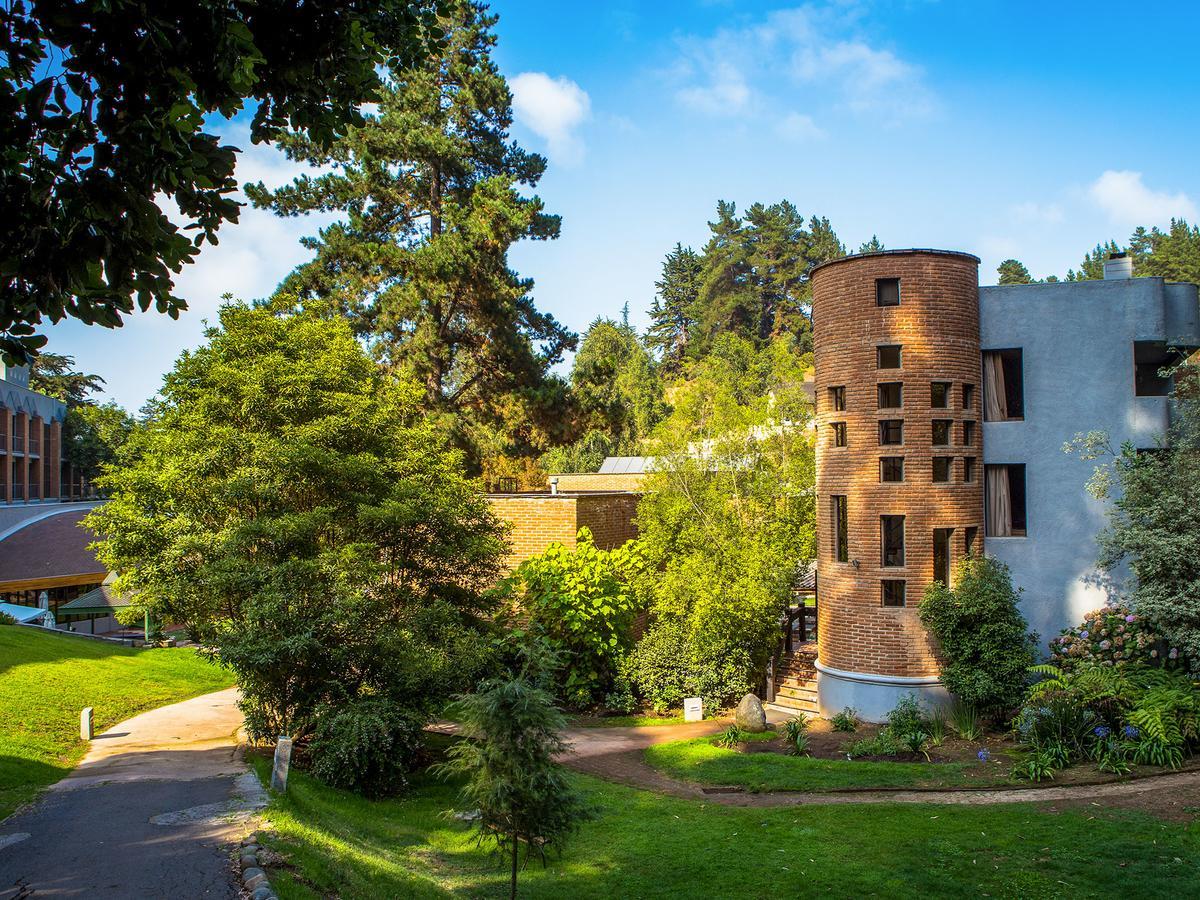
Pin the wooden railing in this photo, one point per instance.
(794, 629)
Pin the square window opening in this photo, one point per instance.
(939, 394)
(888, 356)
(941, 432)
(891, 394)
(891, 468)
(887, 291)
(941, 469)
(891, 432)
(837, 399)
(892, 592)
(1149, 359)
(1003, 386)
(1004, 500)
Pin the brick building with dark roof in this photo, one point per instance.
(46, 549)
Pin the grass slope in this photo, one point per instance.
(46, 679)
(698, 760)
(645, 845)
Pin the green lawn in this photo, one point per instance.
(626, 721)
(46, 680)
(645, 845)
(698, 760)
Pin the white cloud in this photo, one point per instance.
(799, 127)
(553, 109)
(753, 69)
(1127, 201)
(1036, 213)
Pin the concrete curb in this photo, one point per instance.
(254, 876)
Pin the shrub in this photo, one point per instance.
(1037, 766)
(846, 720)
(6, 619)
(366, 746)
(795, 732)
(1109, 636)
(907, 717)
(965, 721)
(985, 641)
(883, 744)
(730, 737)
(584, 602)
(668, 665)
(620, 698)
(937, 728)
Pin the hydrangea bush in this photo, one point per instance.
(1110, 636)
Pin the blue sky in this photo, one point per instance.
(1000, 128)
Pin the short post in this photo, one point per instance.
(283, 761)
(85, 724)
(693, 709)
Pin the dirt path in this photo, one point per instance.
(148, 813)
(616, 754)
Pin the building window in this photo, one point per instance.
(893, 592)
(839, 434)
(1149, 358)
(891, 395)
(887, 356)
(941, 554)
(941, 469)
(891, 468)
(1004, 501)
(891, 432)
(968, 396)
(837, 399)
(1003, 386)
(968, 434)
(969, 535)
(887, 291)
(891, 540)
(968, 469)
(939, 395)
(839, 517)
(941, 432)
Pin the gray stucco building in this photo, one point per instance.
(1088, 360)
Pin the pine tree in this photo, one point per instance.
(874, 245)
(672, 316)
(432, 190)
(1092, 267)
(1173, 254)
(1013, 271)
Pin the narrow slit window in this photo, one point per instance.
(891, 540)
(968, 396)
(891, 395)
(841, 546)
(888, 356)
(1004, 500)
(969, 469)
(891, 468)
(887, 291)
(941, 469)
(837, 399)
(941, 432)
(968, 434)
(969, 535)
(892, 593)
(941, 554)
(1003, 386)
(839, 434)
(891, 432)
(939, 395)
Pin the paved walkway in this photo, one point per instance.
(148, 813)
(616, 754)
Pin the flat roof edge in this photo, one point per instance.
(912, 251)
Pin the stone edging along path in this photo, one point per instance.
(616, 754)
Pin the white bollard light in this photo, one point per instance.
(85, 724)
(693, 709)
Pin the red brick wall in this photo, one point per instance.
(594, 481)
(937, 324)
(539, 520)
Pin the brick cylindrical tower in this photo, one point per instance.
(899, 464)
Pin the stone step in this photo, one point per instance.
(793, 707)
(796, 693)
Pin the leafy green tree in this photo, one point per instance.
(54, 375)
(512, 734)
(1154, 518)
(615, 383)
(727, 519)
(672, 315)
(434, 193)
(985, 642)
(1013, 271)
(291, 505)
(583, 601)
(103, 105)
(93, 435)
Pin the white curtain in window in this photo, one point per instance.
(995, 400)
(999, 502)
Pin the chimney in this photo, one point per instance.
(1117, 267)
(553, 484)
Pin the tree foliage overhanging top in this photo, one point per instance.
(102, 111)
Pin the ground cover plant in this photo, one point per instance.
(642, 844)
(46, 679)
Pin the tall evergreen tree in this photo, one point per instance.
(1173, 254)
(1092, 267)
(672, 316)
(874, 245)
(432, 192)
(1013, 271)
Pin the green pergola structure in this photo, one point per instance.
(101, 601)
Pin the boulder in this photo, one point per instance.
(750, 715)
